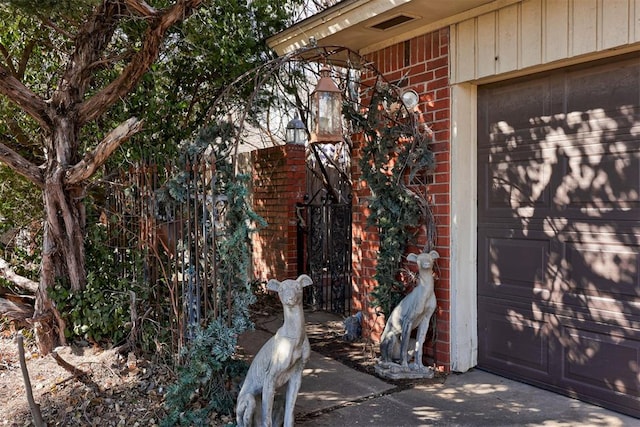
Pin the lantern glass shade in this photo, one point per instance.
(296, 131)
(326, 110)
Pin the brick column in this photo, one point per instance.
(279, 182)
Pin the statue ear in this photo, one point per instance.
(434, 254)
(273, 285)
(304, 280)
(412, 257)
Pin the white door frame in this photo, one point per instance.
(464, 224)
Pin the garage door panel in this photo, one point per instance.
(511, 99)
(598, 182)
(609, 270)
(596, 185)
(559, 231)
(517, 182)
(516, 266)
(513, 338)
(590, 368)
(596, 87)
(603, 315)
(600, 360)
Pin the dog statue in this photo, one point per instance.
(414, 311)
(279, 363)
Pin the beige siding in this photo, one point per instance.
(467, 51)
(535, 33)
(507, 58)
(635, 20)
(585, 27)
(615, 20)
(531, 33)
(555, 30)
(486, 45)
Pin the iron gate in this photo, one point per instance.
(329, 256)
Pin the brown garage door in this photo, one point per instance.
(559, 231)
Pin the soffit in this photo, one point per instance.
(352, 23)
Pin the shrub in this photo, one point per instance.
(208, 381)
(101, 312)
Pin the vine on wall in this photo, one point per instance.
(395, 149)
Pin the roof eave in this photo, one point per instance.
(343, 15)
(352, 23)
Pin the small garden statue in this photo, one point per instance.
(279, 363)
(353, 327)
(414, 311)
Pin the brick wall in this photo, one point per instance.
(426, 65)
(278, 184)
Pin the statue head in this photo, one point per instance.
(424, 260)
(290, 290)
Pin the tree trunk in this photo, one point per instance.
(63, 256)
(65, 224)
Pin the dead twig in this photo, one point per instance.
(77, 373)
(35, 408)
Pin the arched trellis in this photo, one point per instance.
(393, 138)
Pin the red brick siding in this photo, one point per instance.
(428, 75)
(278, 184)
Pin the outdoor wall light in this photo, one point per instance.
(410, 99)
(296, 131)
(326, 110)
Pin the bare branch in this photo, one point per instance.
(6, 272)
(16, 133)
(75, 371)
(90, 42)
(21, 166)
(109, 61)
(35, 408)
(140, 62)
(24, 98)
(141, 7)
(96, 158)
(49, 23)
(16, 310)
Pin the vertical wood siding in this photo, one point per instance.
(537, 32)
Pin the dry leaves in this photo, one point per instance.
(122, 391)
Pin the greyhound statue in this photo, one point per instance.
(414, 311)
(279, 363)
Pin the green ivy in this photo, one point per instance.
(393, 152)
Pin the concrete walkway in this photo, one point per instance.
(333, 394)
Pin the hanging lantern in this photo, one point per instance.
(326, 110)
(296, 131)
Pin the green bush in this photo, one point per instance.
(101, 312)
(208, 380)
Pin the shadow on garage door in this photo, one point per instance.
(559, 230)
